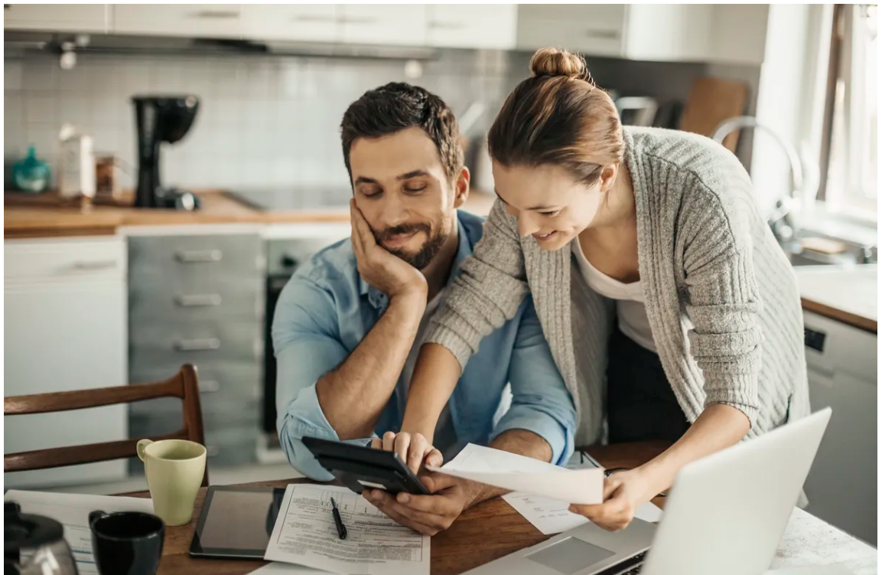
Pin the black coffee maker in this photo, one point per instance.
(161, 119)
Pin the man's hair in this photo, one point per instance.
(398, 106)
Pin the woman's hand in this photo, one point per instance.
(623, 493)
(412, 449)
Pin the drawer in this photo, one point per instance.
(166, 345)
(183, 300)
(226, 447)
(210, 258)
(229, 413)
(74, 258)
(223, 387)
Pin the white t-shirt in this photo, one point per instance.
(629, 299)
(445, 435)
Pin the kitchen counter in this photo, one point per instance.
(44, 215)
(841, 293)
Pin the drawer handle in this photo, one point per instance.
(95, 265)
(197, 256)
(198, 300)
(209, 386)
(217, 14)
(212, 450)
(207, 344)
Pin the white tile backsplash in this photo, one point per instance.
(41, 108)
(40, 75)
(262, 121)
(12, 75)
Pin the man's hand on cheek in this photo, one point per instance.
(386, 272)
(427, 514)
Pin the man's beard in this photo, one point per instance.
(427, 252)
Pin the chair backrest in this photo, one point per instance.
(183, 385)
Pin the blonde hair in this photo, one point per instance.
(558, 116)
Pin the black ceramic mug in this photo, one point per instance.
(126, 543)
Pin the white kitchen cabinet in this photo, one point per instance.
(290, 22)
(472, 26)
(65, 329)
(650, 32)
(56, 17)
(390, 24)
(197, 20)
(841, 486)
(593, 29)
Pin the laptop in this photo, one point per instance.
(725, 515)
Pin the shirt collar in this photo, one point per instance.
(379, 300)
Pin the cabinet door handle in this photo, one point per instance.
(212, 450)
(602, 34)
(198, 300)
(206, 344)
(95, 265)
(441, 25)
(217, 14)
(312, 18)
(358, 20)
(197, 256)
(209, 386)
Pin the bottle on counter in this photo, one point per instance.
(31, 174)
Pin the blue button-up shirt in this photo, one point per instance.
(326, 309)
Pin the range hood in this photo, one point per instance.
(17, 42)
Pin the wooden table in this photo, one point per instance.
(485, 532)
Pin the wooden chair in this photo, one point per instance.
(183, 385)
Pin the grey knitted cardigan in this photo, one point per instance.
(720, 295)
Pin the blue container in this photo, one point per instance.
(31, 174)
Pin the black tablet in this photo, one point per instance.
(362, 467)
(236, 522)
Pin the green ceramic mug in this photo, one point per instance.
(174, 469)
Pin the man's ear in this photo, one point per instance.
(461, 187)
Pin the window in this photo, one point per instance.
(850, 156)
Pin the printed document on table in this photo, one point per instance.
(519, 473)
(551, 516)
(72, 511)
(305, 534)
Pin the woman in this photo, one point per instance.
(668, 305)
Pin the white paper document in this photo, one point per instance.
(551, 516)
(305, 534)
(72, 511)
(519, 473)
(287, 569)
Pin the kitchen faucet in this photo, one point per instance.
(782, 219)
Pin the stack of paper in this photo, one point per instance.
(542, 492)
(72, 511)
(519, 473)
(305, 535)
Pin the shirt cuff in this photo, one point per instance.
(558, 437)
(306, 418)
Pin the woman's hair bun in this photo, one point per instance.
(556, 62)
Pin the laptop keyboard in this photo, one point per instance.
(634, 569)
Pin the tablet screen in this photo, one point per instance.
(237, 521)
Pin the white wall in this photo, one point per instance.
(784, 103)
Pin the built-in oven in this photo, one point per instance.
(285, 254)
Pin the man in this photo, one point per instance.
(349, 324)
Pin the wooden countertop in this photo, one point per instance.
(842, 293)
(44, 215)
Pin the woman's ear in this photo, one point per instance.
(461, 187)
(608, 177)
